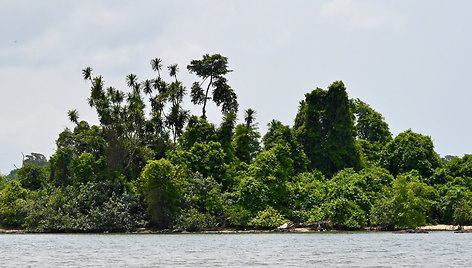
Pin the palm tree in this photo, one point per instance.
(73, 116)
(156, 65)
(131, 80)
(136, 88)
(173, 70)
(87, 73)
(147, 87)
(176, 120)
(249, 117)
(160, 85)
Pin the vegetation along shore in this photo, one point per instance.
(149, 164)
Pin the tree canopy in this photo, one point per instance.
(213, 68)
(325, 128)
(149, 163)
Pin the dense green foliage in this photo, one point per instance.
(151, 164)
(324, 126)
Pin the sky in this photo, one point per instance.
(409, 59)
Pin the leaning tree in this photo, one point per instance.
(212, 70)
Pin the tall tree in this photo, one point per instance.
(177, 116)
(310, 129)
(324, 126)
(371, 130)
(246, 138)
(213, 68)
(156, 65)
(340, 142)
(122, 119)
(73, 116)
(173, 70)
(36, 159)
(225, 135)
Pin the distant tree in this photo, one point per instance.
(36, 159)
(173, 70)
(266, 181)
(177, 117)
(225, 135)
(203, 193)
(83, 168)
(340, 144)
(370, 124)
(12, 175)
(410, 151)
(462, 213)
(3, 182)
(460, 166)
(73, 116)
(249, 117)
(88, 140)
(347, 203)
(131, 136)
(207, 159)
(246, 138)
(324, 126)
(307, 194)
(147, 86)
(310, 129)
(12, 204)
(214, 68)
(453, 195)
(372, 131)
(61, 167)
(32, 176)
(156, 65)
(197, 130)
(282, 134)
(448, 158)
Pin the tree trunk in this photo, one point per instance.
(206, 98)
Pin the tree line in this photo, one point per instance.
(150, 163)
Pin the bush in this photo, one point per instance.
(462, 213)
(12, 204)
(203, 193)
(192, 220)
(90, 207)
(238, 216)
(163, 185)
(31, 176)
(3, 182)
(404, 205)
(268, 218)
(346, 213)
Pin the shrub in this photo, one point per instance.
(269, 217)
(192, 220)
(162, 184)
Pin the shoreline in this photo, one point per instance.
(444, 227)
(422, 229)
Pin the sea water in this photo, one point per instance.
(357, 249)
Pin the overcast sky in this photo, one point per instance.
(409, 59)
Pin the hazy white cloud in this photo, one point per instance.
(360, 14)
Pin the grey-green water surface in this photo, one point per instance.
(377, 249)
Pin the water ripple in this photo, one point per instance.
(436, 249)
